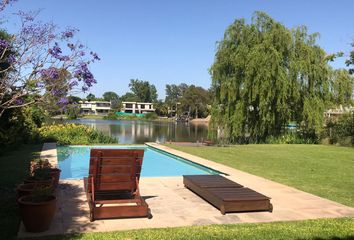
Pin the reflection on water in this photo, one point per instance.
(147, 131)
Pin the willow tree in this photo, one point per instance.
(342, 87)
(265, 75)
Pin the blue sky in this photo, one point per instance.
(169, 42)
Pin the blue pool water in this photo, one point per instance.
(74, 162)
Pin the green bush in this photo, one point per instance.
(19, 125)
(150, 116)
(72, 111)
(131, 117)
(340, 131)
(111, 116)
(290, 138)
(71, 134)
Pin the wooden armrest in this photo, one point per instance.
(92, 188)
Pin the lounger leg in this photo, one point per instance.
(91, 217)
(222, 209)
(271, 207)
(149, 214)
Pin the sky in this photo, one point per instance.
(170, 42)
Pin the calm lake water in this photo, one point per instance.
(129, 132)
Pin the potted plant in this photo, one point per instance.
(37, 210)
(44, 164)
(40, 176)
(27, 188)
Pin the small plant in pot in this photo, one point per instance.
(40, 177)
(44, 164)
(27, 188)
(38, 209)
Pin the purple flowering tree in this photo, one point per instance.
(4, 3)
(41, 61)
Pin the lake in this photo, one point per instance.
(130, 132)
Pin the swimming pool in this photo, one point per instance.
(74, 162)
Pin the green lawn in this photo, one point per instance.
(326, 171)
(14, 166)
(324, 229)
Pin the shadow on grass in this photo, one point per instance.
(176, 236)
(330, 238)
(14, 167)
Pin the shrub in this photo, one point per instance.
(39, 164)
(111, 116)
(71, 134)
(150, 116)
(291, 138)
(340, 131)
(41, 174)
(20, 126)
(72, 111)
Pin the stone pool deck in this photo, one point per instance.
(172, 205)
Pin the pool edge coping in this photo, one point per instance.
(223, 169)
(191, 158)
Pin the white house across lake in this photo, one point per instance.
(95, 107)
(137, 107)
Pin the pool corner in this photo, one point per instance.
(49, 152)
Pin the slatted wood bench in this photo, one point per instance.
(227, 195)
(208, 142)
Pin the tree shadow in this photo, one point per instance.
(351, 237)
(73, 211)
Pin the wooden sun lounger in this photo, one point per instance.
(227, 195)
(208, 143)
(112, 187)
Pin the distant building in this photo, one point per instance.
(172, 110)
(95, 107)
(137, 107)
(337, 112)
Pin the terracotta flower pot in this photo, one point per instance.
(25, 189)
(37, 216)
(55, 173)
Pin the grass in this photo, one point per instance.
(323, 229)
(14, 166)
(326, 171)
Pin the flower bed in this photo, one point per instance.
(70, 134)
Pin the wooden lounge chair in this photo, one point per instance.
(112, 187)
(208, 143)
(227, 195)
